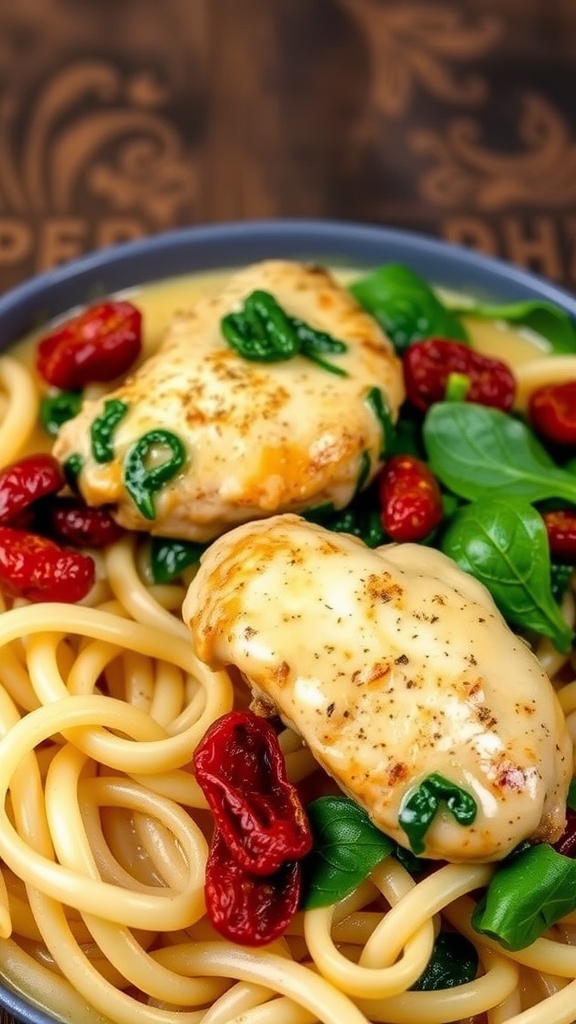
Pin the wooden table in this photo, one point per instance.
(120, 118)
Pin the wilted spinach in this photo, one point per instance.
(406, 307)
(474, 449)
(502, 541)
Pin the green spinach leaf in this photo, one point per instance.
(502, 541)
(527, 894)
(347, 846)
(169, 558)
(378, 403)
(405, 306)
(561, 576)
(421, 806)
(414, 865)
(361, 517)
(407, 439)
(474, 449)
(544, 318)
(315, 344)
(263, 332)
(58, 408)
(454, 961)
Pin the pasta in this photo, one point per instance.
(104, 831)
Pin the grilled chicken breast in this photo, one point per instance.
(393, 665)
(259, 438)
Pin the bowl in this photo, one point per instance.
(230, 245)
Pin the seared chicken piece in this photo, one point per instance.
(258, 438)
(392, 665)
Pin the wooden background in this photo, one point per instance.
(125, 117)
(121, 118)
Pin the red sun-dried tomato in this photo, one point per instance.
(97, 345)
(39, 570)
(410, 499)
(75, 523)
(245, 908)
(552, 412)
(25, 482)
(241, 770)
(561, 529)
(429, 364)
(253, 875)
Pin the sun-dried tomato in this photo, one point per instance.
(241, 770)
(245, 908)
(97, 345)
(25, 482)
(429, 364)
(561, 529)
(39, 570)
(75, 523)
(261, 832)
(410, 499)
(552, 412)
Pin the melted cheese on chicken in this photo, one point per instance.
(392, 665)
(259, 437)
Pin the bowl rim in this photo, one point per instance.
(152, 257)
(23, 1011)
(314, 234)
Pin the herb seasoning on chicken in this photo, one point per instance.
(399, 673)
(263, 398)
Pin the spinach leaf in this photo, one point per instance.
(407, 439)
(414, 865)
(454, 961)
(405, 306)
(422, 805)
(58, 408)
(474, 449)
(365, 467)
(544, 318)
(527, 894)
(361, 518)
(169, 558)
(315, 344)
(502, 541)
(561, 576)
(571, 799)
(378, 403)
(263, 332)
(102, 429)
(72, 469)
(347, 846)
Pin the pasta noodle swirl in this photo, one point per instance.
(104, 831)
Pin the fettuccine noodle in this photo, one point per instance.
(104, 831)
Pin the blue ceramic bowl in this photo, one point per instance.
(230, 245)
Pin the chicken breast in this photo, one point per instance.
(258, 438)
(393, 665)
